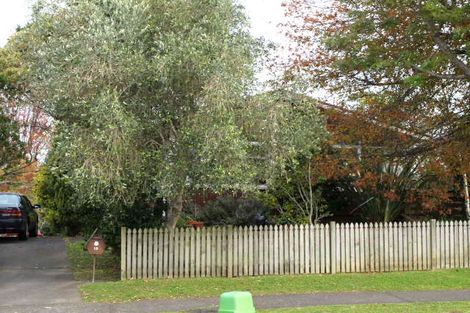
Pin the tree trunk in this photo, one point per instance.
(387, 212)
(466, 195)
(174, 211)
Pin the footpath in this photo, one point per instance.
(207, 305)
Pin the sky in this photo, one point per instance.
(12, 14)
(264, 15)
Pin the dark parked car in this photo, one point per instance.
(17, 216)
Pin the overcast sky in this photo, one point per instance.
(265, 15)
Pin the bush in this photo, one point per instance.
(233, 211)
(64, 213)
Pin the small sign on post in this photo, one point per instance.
(95, 246)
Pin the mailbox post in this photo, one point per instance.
(95, 246)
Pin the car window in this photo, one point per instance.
(24, 204)
(8, 200)
(28, 202)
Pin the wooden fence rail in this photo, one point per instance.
(294, 249)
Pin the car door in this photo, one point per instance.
(28, 210)
(34, 215)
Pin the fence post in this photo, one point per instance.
(433, 245)
(333, 247)
(123, 253)
(230, 251)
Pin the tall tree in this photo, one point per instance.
(30, 122)
(403, 65)
(10, 148)
(152, 95)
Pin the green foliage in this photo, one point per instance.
(232, 211)
(11, 70)
(299, 195)
(150, 99)
(10, 146)
(57, 198)
(287, 214)
(64, 212)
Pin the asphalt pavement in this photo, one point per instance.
(35, 273)
(209, 305)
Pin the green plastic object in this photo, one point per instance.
(236, 302)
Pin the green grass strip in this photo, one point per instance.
(438, 307)
(81, 263)
(124, 291)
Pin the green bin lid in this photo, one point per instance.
(236, 302)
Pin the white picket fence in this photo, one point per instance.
(294, 249)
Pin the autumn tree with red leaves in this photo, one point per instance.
(401, 71)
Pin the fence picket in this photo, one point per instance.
(224, 251)
(230, 252)
(144, 253)
(180, 250)
(150, 255)
(452, 244)
(282, 249)
(155, 253)
(203, 253)
(236, 244)
(366, 241)
(139, 254)
(176, 252)
(373, 248)
(327, 258)
(245, 250)
(399, 244)
(130, 250)
(123, 253)
(198, 252)
(271, 249)
(440, 245)
(347, 253)
(447, 246)
(362, 250)
(165, 253)
(394, 244)
(425, 238)
(353, 248)
(318, 248)
(311, 236)
(256, 250)
(276, 249)
(296, 250)
(419, 263)
(219, 252)
(357, 251)
(465, 245)
(240, 251)
(250, 251)
(460, 244)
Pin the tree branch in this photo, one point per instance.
(440, 76)
(443, 47)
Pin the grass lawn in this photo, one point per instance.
(440, 307)
(123, 291)
(107, 266)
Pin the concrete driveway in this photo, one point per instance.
(35, 273)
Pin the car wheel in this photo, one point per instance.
(25, 234)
